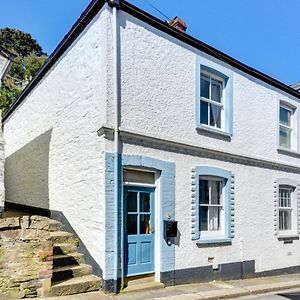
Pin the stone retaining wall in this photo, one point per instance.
(26, 257)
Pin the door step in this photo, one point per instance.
(138, 283)
(77, 285)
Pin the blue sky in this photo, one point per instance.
(263, 34)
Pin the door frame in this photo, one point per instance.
(138, 187)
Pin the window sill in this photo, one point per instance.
(288, 152)
(215, 131)
(214, 240)
(288, 236)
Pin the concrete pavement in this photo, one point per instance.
(209, 291)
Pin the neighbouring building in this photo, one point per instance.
(6, 58)
(296, 86)
(131, 125)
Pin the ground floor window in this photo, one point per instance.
(210, 204)
(285, 208)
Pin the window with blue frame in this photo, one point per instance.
(213, 204)
(211, 102)
(214, 97)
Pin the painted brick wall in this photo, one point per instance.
(54, 155)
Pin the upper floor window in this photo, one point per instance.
(213, 98)
(212, 106)
(285, 127)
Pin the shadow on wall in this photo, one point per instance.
(26, 173)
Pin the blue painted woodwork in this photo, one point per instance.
(138, 239)
(214, 68)
(226, 175)
(166, 205)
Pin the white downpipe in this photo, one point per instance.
(116, 140)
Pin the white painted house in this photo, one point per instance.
(132, 123)
(6, 58)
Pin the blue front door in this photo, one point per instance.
(139, 230)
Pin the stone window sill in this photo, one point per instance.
(213, 131)
(214, 240)
(288, 152)
(288, 237)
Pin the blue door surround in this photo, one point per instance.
(139, 230)
(165, 206)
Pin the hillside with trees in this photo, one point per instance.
(30, 58)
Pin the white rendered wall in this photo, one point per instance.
(52, 140)
(158, 99)
(159, 91)
(4, 62)
(254, 213)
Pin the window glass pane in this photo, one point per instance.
(214, 218)
(204, 87)
(216, 91)
(215, 192)
(203, 211)
(285, 220)
(203, 112)
(144, 224)
(131, 224)
(284, 198)
(285, 116)
(215, 115)
(284, 137)
(144, 202)
(131, 198)
(203, 192)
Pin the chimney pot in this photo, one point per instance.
(178, 24)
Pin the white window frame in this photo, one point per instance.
(289, 128)
(221, 104)
(220, 232)
(286, 208)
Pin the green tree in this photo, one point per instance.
(30, 58)
(19, 42)
(32, 64)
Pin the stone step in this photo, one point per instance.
(146, 286)
(137, 280)
(70, 259)
(64, 248)
(76, 285)
(68, 272)
(63, 237)
(54, 225)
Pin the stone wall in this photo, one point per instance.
(26, 257)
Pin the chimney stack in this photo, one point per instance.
(178, 24)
